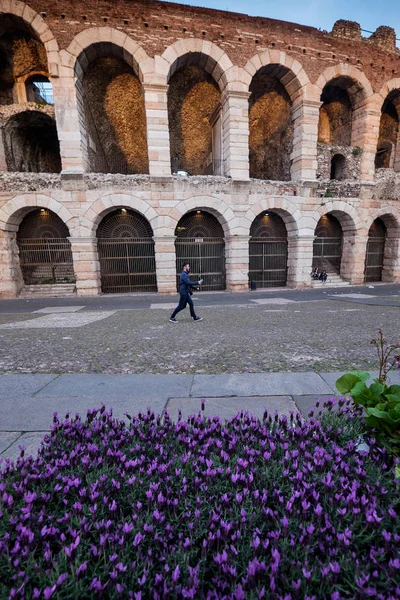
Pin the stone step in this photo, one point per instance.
(59, 290)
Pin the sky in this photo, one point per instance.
(316, 13)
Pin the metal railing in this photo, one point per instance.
(268, 261)
(127, 265)
(374, 259)
(207, 261)
(46, 261)
(327, 253)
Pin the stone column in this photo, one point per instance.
(156, 106)
(86, 266)
(352, 266)
(237, 263)
(235, 131)
(3, 160)
(365, 134)
(72, 144)
(305, 117)
(11, 280)
(391, 261)
(164, 248)
(300, 258)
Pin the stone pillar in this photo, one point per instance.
(300, 258)
(352, 266)
(86, 266)
(237, 263)
(396, 153)
(68, 126)
(365, 134)
(156, 106)
(235, 131)
(164, 248)
(305, 118)
(3, 161)
(11, 280)
(391, 261)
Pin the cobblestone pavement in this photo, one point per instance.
(317, 336)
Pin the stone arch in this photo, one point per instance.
(106, 65)
(14, 210)
(391, 256)
(388, 142)
(40, 28)
(133, 53)
(289, 71)
(351, 225)
(361, 89)
(109, 202)
(211, 57)
(287, 210)
(231, 224)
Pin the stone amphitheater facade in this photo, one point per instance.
(163, 111)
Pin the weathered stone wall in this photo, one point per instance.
(335, 117)
(193, 96)
(325, 154)
(271, 129)
(115, 118)
(388, 133)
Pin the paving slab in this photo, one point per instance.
(13, 387)
(104, 387)
(259, 384)
(7, 438)
(273, 301)
(59, 309)
(226, 408)
(36, 414)
(31, 442)
(306, 403)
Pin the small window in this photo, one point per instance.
(338, 167)
(39, 90)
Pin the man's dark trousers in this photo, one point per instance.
(184, 298)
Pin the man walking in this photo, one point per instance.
(185, 287)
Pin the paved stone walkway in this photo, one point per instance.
(27, 402)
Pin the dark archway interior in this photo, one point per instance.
(111, 98)
(21, 53)
(388, 132)
(124, 223)
(268, 251)
(31, 143)
(193, 98)
(335, 121)
(338, 167)
(42, 223)
(271, 129)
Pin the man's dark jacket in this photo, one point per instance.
(185, 284)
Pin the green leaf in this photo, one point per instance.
(393, 389)
(397, 472)
(393, 397)
(362, 375)
(367, 396)
(346, 382)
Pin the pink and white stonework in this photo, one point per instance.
(157, 41)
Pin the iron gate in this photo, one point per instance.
(374, 259)
(327, 253)
(127, 265)
(46, 261)
(206, 257)
(268, 261)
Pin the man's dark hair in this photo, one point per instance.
(184, 265)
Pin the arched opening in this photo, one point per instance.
(375, 254)
(270, 125)
(388, 141)
(21, 53)
(126, 253)
(338, 167)
(268, 251)
(39, 90)
(328, 245)
(31, 143)
(44, 249)
(194, 117)
(112, 111)
(200, 241)
(336, 113)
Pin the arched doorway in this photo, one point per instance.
(268, 251)
(375, 254)
(200, 241)
(126, 253)
(44, 249)
(328, 244)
